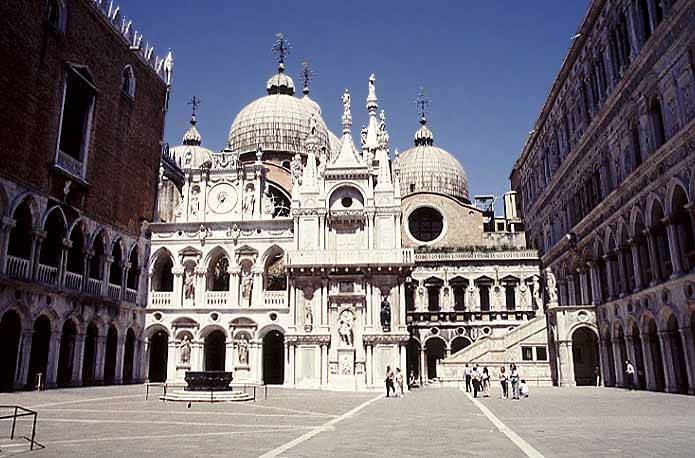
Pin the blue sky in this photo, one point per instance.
(487, 66)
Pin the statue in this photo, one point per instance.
(243, 346)
(537, 299)
(523, 299)
(308, 317)
(189, 285)
(346, 103)
(234, 232)
(249, 200)
(345, 327)
(246, 285)
(551, 286)
(313, 124)
(363, 136)
(296, 168)
(195, 204)
(372, 87)
(323, 159)
(385, 314)
(204, 233)
(185, 350)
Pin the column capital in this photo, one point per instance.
(39, 235)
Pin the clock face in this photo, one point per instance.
(222, 198)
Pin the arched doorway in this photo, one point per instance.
(128, 356)
(110, 357)
(40, 342)
(459, 343)
(274, 358)
(10, 331)
(639, 356)
(67, 353)
(584, 356)
(608, 368)
(215, 351)
(90, 350)
(622, 356)
(434, 349)
(159, 352)
(677, 355)
(413, 355)
(654, 345)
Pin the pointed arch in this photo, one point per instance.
(654, 204)
(675, 185)
(161, 265)
(29, 200)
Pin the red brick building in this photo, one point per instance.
(84, 101)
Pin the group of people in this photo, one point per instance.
(394, 382)
(478, 381)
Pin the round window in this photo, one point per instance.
(346, 202)
(426, 224)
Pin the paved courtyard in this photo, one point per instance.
(118, 422)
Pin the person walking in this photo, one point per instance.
(486, 383)
(467, 375)
(503, 382)
(514, 378)
(399, 383)
(475, 381)
(389, 381)
(597, 376)
(629, 375)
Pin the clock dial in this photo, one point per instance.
(222, 198)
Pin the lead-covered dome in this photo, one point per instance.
(277, 122)
(190, 155)
(428, 168)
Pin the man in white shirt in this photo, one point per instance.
(467, 376)
(629, 375)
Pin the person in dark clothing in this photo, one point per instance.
(476, 377)
(467, 376)
(389, 381)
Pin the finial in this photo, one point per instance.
(194, 102)
(422, 103)
(281, 48)
(347, 114)
(307, 75)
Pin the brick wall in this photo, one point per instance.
(124, 148)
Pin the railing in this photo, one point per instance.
(18, 268)
(94, 286)
(48, 274)
(16, 412)
(161, 298)
(275, 299)
(70, 164)
(73, 281)
(214, 298)
(130, 295)
(115, 292)
(350, 257)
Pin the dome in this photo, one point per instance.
(428, 168)
(277, 122)
(190, 155)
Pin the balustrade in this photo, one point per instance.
(275, 299)
(73, 281)
(47, 274)
(115, 292)
(161, 298)
(130, 295)
(216, 298)
(18, 267)
(94, 287)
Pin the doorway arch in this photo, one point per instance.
(654, 345)
(435, 351)
(90, 350)
(128, 356)
(40, 344)
(459, 343)
(584, 355)
(677, 355)
(110, 357)
(413, 354)
(67, 353)
(274, 358)
(10, 332)
(215, 351)
(159, 352)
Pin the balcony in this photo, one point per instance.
(161, 298)
(216, 298)
(394, 257)
(94, 287)
(18, 268)
(47, 275)
(115, 292)
(462, 316)
(275, 299)
(130, 295)
(73, 281)
(69, 164)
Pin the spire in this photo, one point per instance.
(192, 136)
(384, 177)
(372, 106)
(347, 112)
(347, 156)
(280, 83)
(423, 136)
(307, 75)
(309, 176)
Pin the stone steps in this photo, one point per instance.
(207, 396)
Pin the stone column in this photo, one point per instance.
(35, 254)
(630, 349)
(291, 362)
(404, 364)
(571, 294)
(230, 353)
(584, 289)
(596, 282)
(23, 356)
(257, 289)
(654, 260)
(667, 358)
(99, 359)
(125, 268)
(636, 264)
(566, 364)
(423, 367)
(624, 283)
(324, 364)
(686, 335)
(324, 302)
(632, 30)
(234, 286)
(78, 359)
(200, 293)
(648, 362)
(674, 247)
(120, 350)
(606, 377)
(177, 299)
(288, 373)
(618, 362)
(609, 271)
(172, 358)
(6, 225)
(51, 375)
(106, 271)
(87, 262)
(62, 265)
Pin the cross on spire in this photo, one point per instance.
(422, 102)
(281, 47)
(307, 75)
(195, 101)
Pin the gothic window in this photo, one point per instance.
(426, 224)
(643, 13)
(52, 246)
(75, 262)
(281, 202)
(636, 148)
(98, 248)
(163, 277)
(78, 103)
(128, 81)
(276, 277)
(21, 234)
(657, 123)
(116, 272)
(55, 15)
(134, 270)
(220, 274)
(684, 229)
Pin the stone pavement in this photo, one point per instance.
(596, 422)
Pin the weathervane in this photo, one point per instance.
(195, 101)
(281, 47)
(307, 75)
(422, 102)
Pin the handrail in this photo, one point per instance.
(24, 413)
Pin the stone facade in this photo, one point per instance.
(72, 288)
(606, 180)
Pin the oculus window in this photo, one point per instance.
(426, 224)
